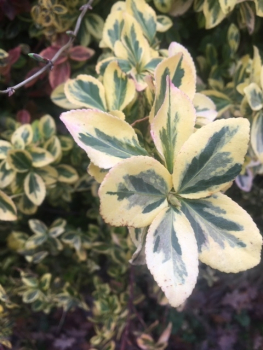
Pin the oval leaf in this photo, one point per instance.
(7, 208)
(35, 188)
(19, 160)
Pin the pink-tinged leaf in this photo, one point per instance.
(80, 53)
(59, 74)
(32, 72)
(61, 40)
(14, 55)
(245, 181)
(23, 116)
(50, 52)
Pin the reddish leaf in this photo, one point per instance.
(32, 72)
(59, 74)
(80, 53)
(23, 116)
(14, 55)
(61, 40)
(50, 52)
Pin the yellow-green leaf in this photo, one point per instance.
(35, 188)
(213, 13)
(26, 206)
(227, 5)
(7, 208)
(163, 6)
(254, 96)
(211, 157)
(119, 89)
(98, 173)
(94, 25)
(95, 132)
(221, 100)
(134, 192)
(86, 91)
(113, 28)
(53, 146)
(38, 227)
(164, 23)
(259, 7)
(227, 237)
(205, 109)
(173, 124)
(19, 160)
(172, 255)
(49, 174)
(24, 133)
(233, 37)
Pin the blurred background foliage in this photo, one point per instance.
(65, 277)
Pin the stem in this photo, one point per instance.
(139, 121)
(12, 89)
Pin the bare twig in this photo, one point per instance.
(50, 63)
(139, 121)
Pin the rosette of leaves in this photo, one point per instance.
(130, 32)
(25, 170)
(177, 198)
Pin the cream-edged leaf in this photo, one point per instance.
(53, 146)
(138, 236)
(254, 96)
(7, 208)
(119, 89)
(145, 16)
(221, 100)
(205, 109)
(7, 174)
(180, 71)
(172, 255)
(35, 188)
(98, 173)
(163, 6)
(38, 227)
(26, 206)
(67, 174)
(213, 13)
(257, 135)
(59, 98)
(134, 192)
(173, 124)
(49, 174)
(95, 132)
(211, 157)
(227, 237)
(233, 37)
(25, 133)
(164, 23)
(40, 156)
(5, 146)
(113, 28)
(259, 7)
(47, 126)
(86, 91)
(227, 5)
(19, 160)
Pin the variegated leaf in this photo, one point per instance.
(134, 192)
(133, 47)
(113, 28)
(34, 188)
(173, 124)
(227, 5)
(7, 208)
(26, 206)
(163, 6)
(5, 146)
(254, 96)
(205, 109)
(38, 227)
(175, 48)
(19, 160)
(257, 135)
(119, 89)
(49, 174)
(94, 25)
(145, 16)
(247, 17)
(172, 255)
(86, 91)
(118, 114)
(179, 7)
(255, 75)
(7, 174)
(211, 157)
(59, 98)
(124, 65)
(66, 143)
(47, 126)
(95, 132)
(41, 157)
(213, 13)
(67, 174)
(227, 237)
(222, 101)
(98, 173)
(24, 133)
(164, 23)
(53, 146)
(138, 236)
(181, 75)
(233, 36)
